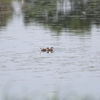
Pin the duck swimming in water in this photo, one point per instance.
(47, 49)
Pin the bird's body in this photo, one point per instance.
(46, 49)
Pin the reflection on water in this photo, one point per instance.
(71, 71)
(63, 15)
(5, 13)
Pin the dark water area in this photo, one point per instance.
(71, 71)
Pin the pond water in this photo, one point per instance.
(72, 70)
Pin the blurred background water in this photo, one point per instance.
(72, 72)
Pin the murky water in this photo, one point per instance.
(73, 32)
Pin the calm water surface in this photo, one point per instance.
(74, 65)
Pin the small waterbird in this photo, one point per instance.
(47, 49)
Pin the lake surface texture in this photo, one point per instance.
(71, 71)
